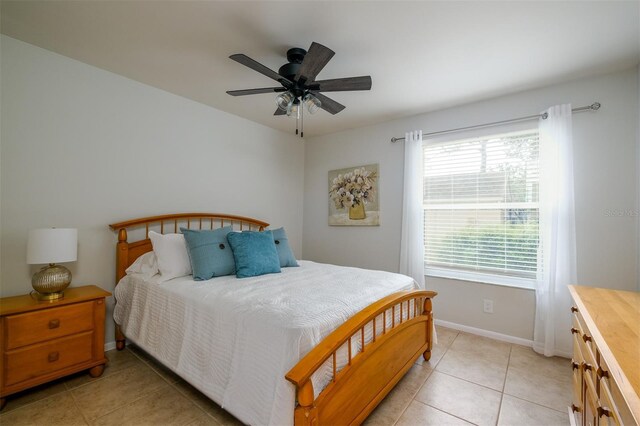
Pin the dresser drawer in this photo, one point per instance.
(577, 345)
(586, 353)
(590, 402)
(579, 322)
(610, 393)
(37, 360)
(33, 327)
(608, 413)
(576, 400)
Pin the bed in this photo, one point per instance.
(309, 346)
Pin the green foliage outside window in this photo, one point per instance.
(504, 248)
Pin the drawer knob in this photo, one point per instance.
(604, 411)
(53, 356)
(574, 365)
(574, 309)
(588, 366)
(575, 408)
(574, 330)
(54, 323)
(586, 338)
(602, 373)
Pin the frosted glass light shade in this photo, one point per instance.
(52, 245)
(284, 100)
(312, 103)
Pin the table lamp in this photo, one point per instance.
(52, 246)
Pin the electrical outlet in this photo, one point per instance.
(487, 306)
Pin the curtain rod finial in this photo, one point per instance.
(595, 106)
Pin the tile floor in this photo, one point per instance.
(469, 380)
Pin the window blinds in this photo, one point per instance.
(481, 204)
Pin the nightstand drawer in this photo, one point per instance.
(37, 360)
(40, 326)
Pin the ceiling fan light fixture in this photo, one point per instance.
(312, 103)
(285, 100)
(299, 85)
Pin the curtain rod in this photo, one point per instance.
(593, 107)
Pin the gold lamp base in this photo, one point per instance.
(50, 282)
(50, 296)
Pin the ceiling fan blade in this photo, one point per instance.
(343, 84)
(255, 91)
(279, 112)
(329, 104)
(313, 62)
(257, 66)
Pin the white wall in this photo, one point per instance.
(1, 73)
(606, 170)
(82, 147)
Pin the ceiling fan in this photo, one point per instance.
(299, 87)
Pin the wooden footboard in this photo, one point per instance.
(391, 334)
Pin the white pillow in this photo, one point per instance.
(172, 255)
(146, 265)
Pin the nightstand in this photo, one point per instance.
(42, 341)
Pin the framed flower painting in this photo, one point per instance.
(353, 196)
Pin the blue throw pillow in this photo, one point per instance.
(284, 250)
(254, 252)
(209, 253)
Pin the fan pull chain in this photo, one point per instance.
(301, 120)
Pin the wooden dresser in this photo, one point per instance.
(41, 341)
(606, 356)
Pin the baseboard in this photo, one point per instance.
(109, 346)
(493, 335)
(485, 333)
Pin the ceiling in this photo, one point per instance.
(422, 56)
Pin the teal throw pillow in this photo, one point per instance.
(284, 250)
(209, 253)
(254, 253)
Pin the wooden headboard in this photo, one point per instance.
(128, 252)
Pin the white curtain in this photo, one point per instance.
(557, 249)
(412, 239)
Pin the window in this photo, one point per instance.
(481, 208)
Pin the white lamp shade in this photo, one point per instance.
(52, 245)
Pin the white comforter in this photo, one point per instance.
(235, 339)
